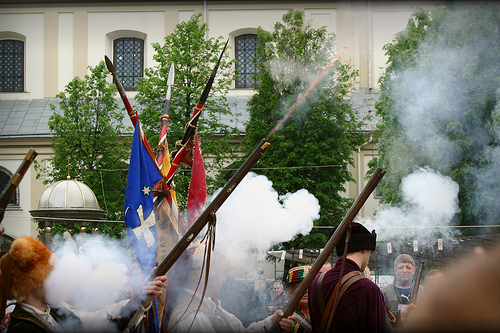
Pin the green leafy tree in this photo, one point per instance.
(402, 53)
(313, 149)
(442, 80)
(194, 58)
(88, 128)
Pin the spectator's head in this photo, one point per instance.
(326, 267)
(24, 269)
(367, 274)
(361, 239)
(278, 288)
(404, 268)
(294, 278)
(433, 280)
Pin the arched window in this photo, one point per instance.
(128, 58)
(245, 52)
(11, 65)
(5, 176)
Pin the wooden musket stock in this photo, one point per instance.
(330, 245)
(13, 183)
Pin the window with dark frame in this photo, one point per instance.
(11, 65)
(5, 177)
(245, 52)
(128, 58)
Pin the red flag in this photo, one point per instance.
(198, 186)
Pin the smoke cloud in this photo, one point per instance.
(255, 217)
(89, 272)
(432, 101)
(430, 200)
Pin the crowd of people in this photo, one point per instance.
(342, 298)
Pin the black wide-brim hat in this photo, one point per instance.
(361, 239)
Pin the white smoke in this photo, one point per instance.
(432, 102)
(255, 217)
(430, 201)
(89, 273)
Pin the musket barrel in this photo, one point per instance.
(13, 183)
(330, 245)
(417, 283)
(206, 216)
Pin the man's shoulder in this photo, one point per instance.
(22, 321)
(387, 288)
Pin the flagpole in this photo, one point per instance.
(191, 125)
(134, 117)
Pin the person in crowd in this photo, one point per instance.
(467, 299)
(302, 317)
(361, 307)
(397, 295)
(263, 294)
(326, 267)
(23, 273)
(367, 274)
(279, 299)
(433, 280)
(239, 298)
(191, 305)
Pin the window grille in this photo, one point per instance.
(245, 51)
(11, 65)
(129, 61)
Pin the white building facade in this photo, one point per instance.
(48, 43)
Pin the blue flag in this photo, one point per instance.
(139, 215)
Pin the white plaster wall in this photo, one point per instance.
(32, 27)
(65, 50)
(18, 222)
(99, 24)
(222, 22)
(386, 25)
(185, 15)
(322, 18)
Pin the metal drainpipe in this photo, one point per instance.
(205, 16)
(369, 45)
(360, 188)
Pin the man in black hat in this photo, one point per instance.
(360, 306)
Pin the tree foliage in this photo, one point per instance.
(439, 105)
(89, 133)
(313, 149)
(402, 54)
(193, 57)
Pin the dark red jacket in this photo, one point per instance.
(361, 308)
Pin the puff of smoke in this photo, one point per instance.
(430, 200)
(254, 217)
(89, 273)
(433, 95)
